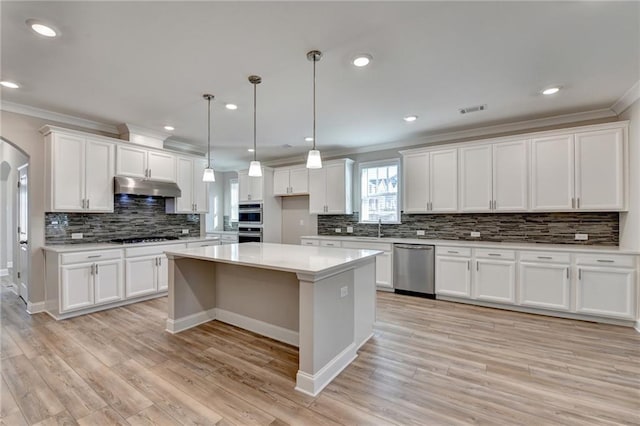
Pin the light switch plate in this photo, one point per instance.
(185, 231)
(344, 291)
(76, 236)
(349, 229)
(338, 230)
(582, 237)
(419, 232)
(475, 234)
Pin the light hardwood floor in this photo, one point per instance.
(430, 363)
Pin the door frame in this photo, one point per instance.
(22, 271)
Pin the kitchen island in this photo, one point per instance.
(320, 299)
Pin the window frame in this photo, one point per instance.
(233, 181)
(380, 163)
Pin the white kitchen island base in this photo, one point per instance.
(317, 298)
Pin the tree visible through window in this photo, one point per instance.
(379, 192)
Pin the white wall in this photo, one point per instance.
(630, 221)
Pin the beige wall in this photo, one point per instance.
(296, 220)
(630, 221)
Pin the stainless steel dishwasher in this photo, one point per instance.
(414, 270)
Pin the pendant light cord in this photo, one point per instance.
(209, 134)
(314, 103)
(254, 122)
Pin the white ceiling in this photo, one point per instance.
(148, 63)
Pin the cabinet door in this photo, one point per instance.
(244, 187)
(162, 273)
(511, 176)
(600, 170)
(99, 172)
(76, 286)
(544, 286)
(552, 173)
(131, 161)
(68, 172)
(140, 276)
(453, 276)
(495, 281)
(476, 179)
(299, 180)
(184, 178)
(443, 166)
(383, 270)
(108, 281)
(317, 190)
(606, 292)
(256, 187)
(415, 171)
(200, 189)
(281, 182)
(162, 166)
(336, 189)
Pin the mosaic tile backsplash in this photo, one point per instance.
(548, 228)
(133, 216)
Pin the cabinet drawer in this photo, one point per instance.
(544, 256)
(453, 251)
(366, 246)
(203, 244)
(90, 256)
(152, 250)
(496, 254)
(330, 244)
(605, 260)
(310, 242)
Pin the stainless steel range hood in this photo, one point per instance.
(139, 186)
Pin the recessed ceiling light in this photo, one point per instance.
(551, 91)
(231, 106)
(410, 118)
(308, 139)
(169, 128)
(362, 60)
(250, 149)
(9, 84)
(41, 28)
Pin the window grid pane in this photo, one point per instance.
(379, 189)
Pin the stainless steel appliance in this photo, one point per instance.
(249, 234)
(139, 186)
(414, 270)
(249, 214)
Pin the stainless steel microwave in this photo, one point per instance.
(250, 214)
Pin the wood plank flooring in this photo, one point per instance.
(429, 363)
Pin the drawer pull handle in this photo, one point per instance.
(495, 254)
(545, 257)
(606, 261)
(451, 251)
(94, 256)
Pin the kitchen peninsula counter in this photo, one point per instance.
(317, 298)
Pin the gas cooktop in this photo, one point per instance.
(150, 239)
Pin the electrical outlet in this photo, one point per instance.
(344, 291)
(419, 232)
(54, 222)
(76, 236)
(185, 231)
(338, 230)
(475, 234)
(349, 229)
(582, 237)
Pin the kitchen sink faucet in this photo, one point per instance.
(379, 227)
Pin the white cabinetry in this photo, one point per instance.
(146, 269)
(250, 188)
(330, 188)
(545, 280)
(76, 286)
(552, 173)
(384, 261)
(495, 276)
(79, 171)
(194, 198)
(143, 163)
(453, 271)
(291, 180)
(430, 182)
(476, 179)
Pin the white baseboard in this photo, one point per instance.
(181, 324)
(269, 330)
(313, 384)
(4, 272)
(637, 326)
(35, 308)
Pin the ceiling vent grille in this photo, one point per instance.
(476, 108)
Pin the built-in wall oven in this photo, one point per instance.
(250, 214)
(249, 234)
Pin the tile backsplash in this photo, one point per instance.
(550, 228)
(133, 216)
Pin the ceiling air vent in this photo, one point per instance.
(473, 109)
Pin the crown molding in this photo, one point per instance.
(626, 100)
(57, 117)
(184, 147)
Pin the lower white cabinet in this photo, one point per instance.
(384, 271)
(606, 292)
(453, 276)
(545, 285)
(142, 276)
(495, 280)
(108, 283)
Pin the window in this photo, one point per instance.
(379, 191)
(234, 199)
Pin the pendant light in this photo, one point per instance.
(208, 175)
(314, 161)
(255, 170)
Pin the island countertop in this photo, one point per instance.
(279, 257)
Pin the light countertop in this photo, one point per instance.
(69, 248)
(573, 248)
(280, 257)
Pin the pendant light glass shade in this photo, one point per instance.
(314, 161)
(208, 175)
(255, 170)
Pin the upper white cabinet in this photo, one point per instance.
(250, 188)
(143, 163)
(494, 177)
(330, 188)
(431, 182)
(552, 173)
(80, 172)
(194, 198)
(291, 180)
